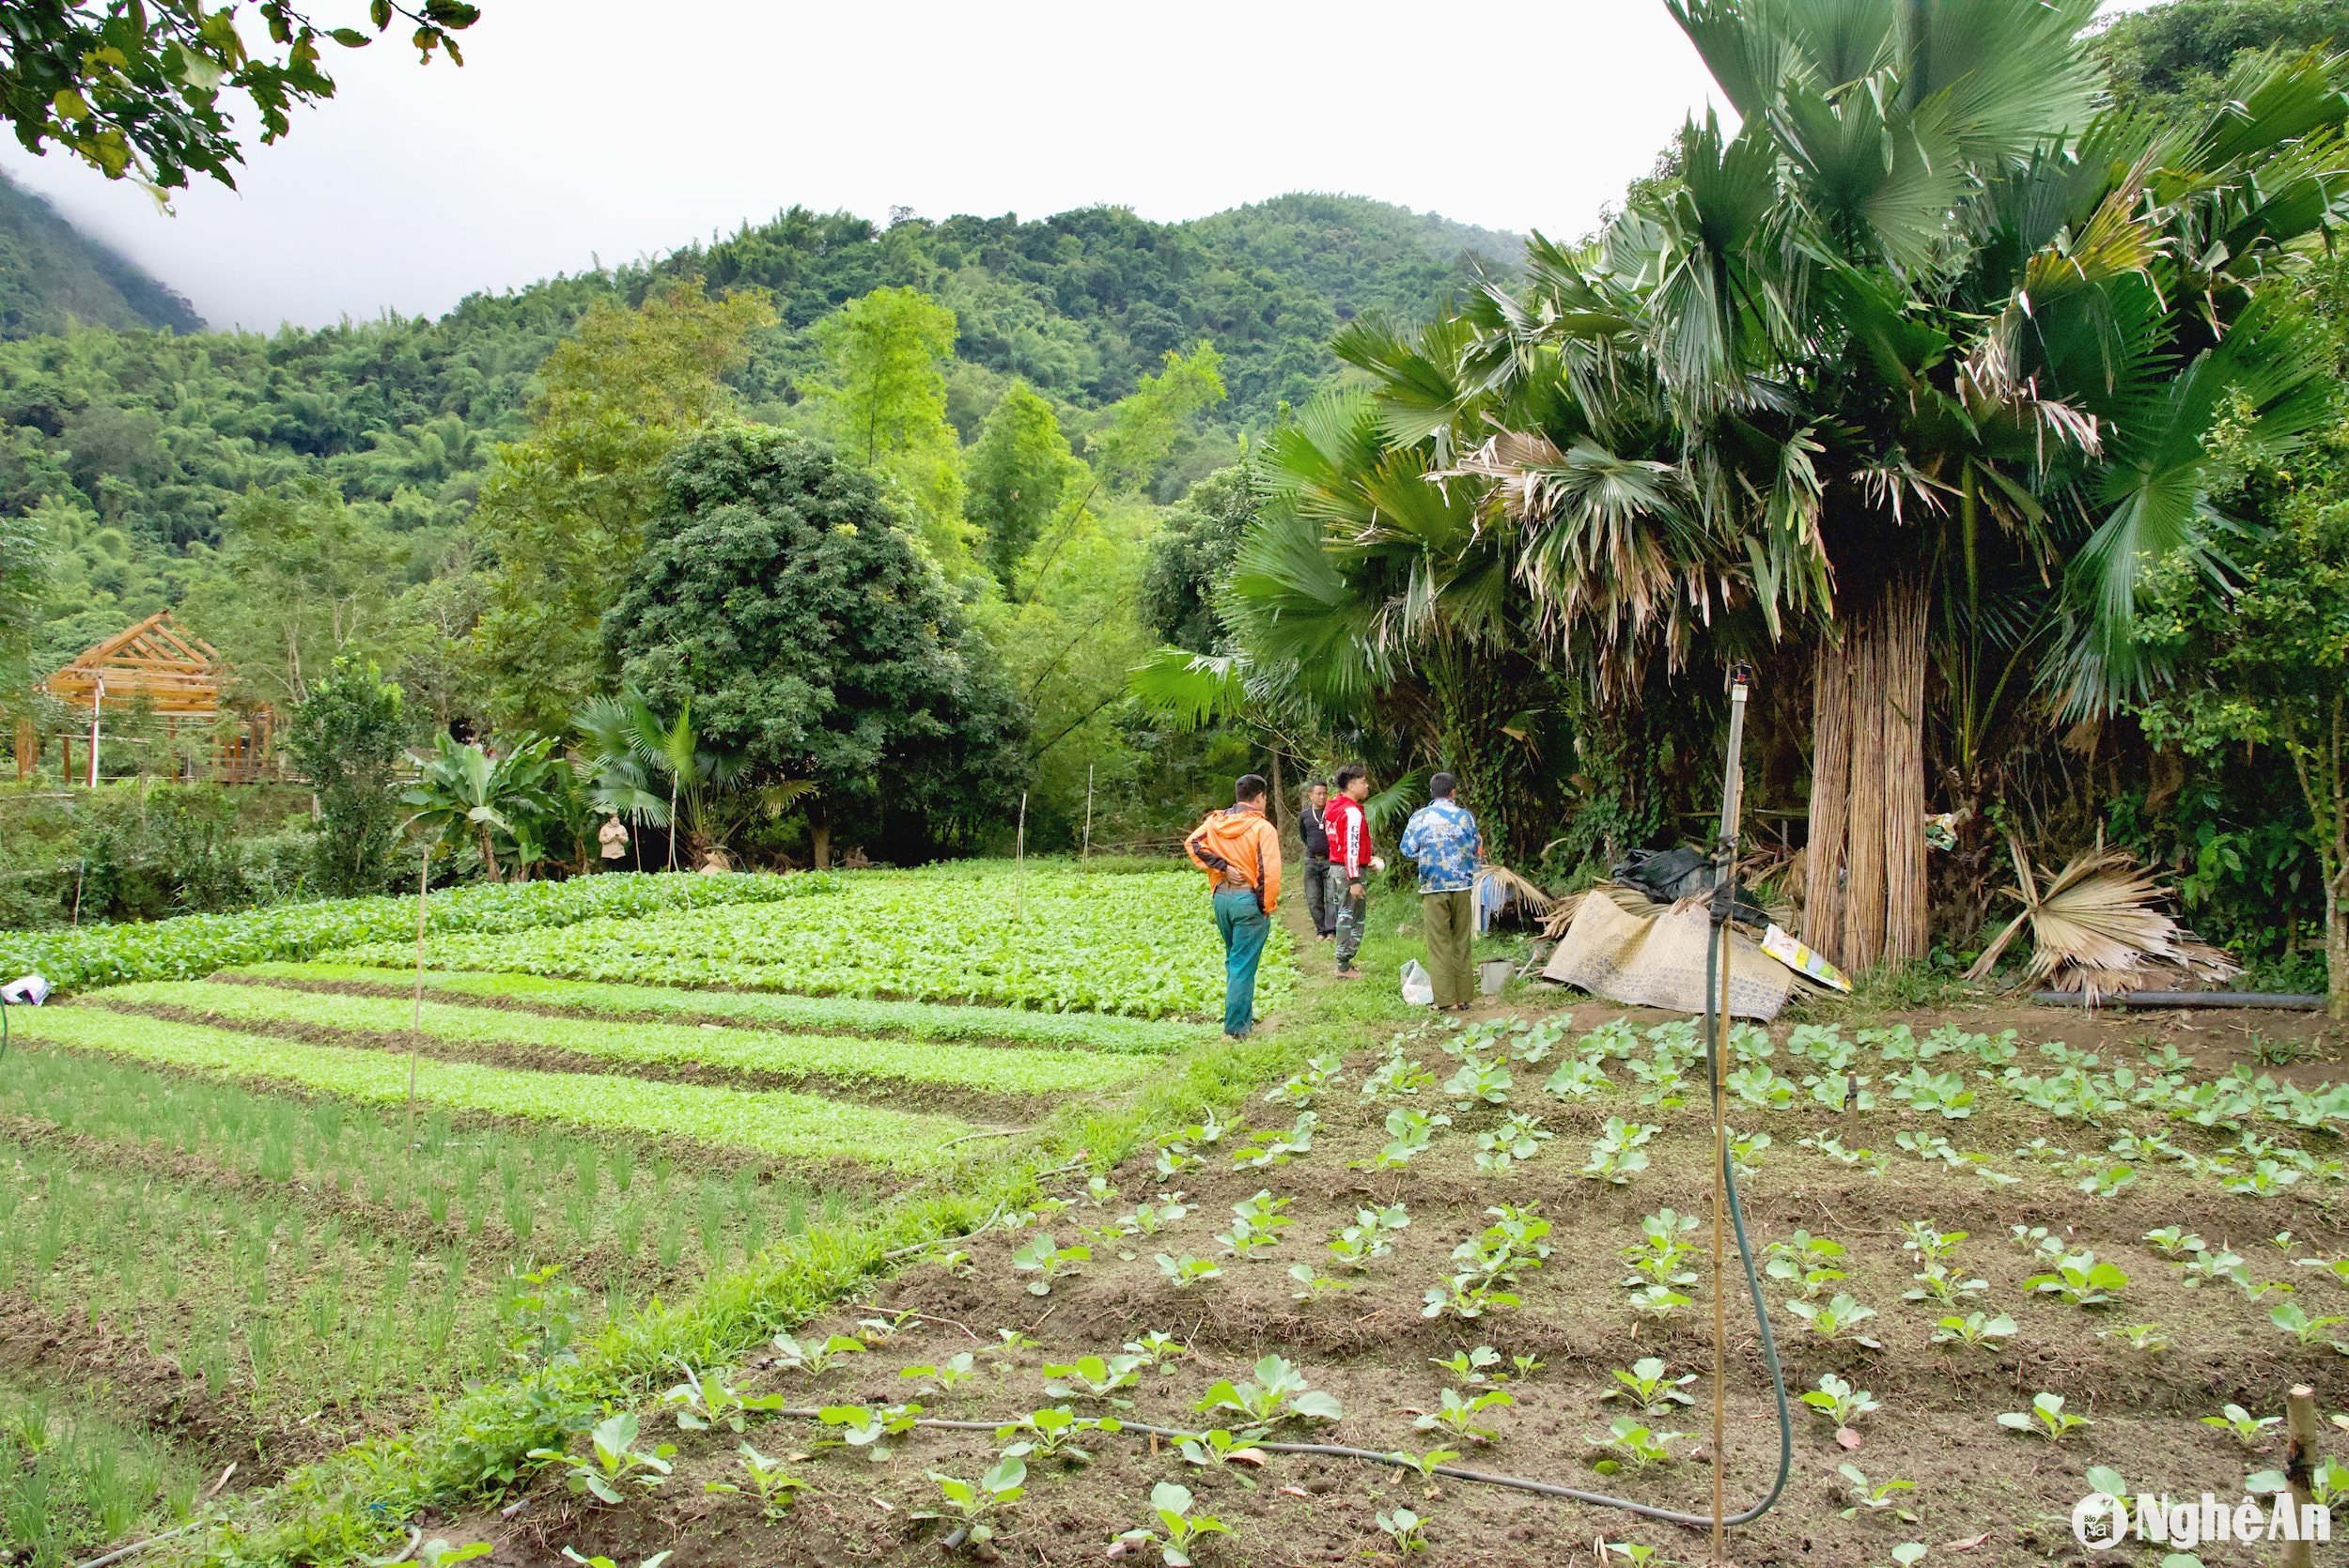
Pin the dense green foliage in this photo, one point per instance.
(193, 945)
(2177, 55)
(1054, 939)
(815, 642)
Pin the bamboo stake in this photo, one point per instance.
(1088, 817)
(1830, 800)
(1019, 865)
(415, 1025)
(2300, 1455)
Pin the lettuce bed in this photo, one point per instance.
(1000, 1070)
(1140, 944)
(792, 1125)
(916, 1020)
(193, 945)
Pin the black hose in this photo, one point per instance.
(2281, 1001)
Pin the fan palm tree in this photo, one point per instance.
(1924, 329)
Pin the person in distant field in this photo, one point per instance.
(1351, 861)
(1321, 895)
(1240, 852)
(1443, 840)
(613, 838)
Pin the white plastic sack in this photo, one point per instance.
(1418, 990)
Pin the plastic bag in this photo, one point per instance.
(1417, 989)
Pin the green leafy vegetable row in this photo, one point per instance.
(1005, 1069)
(193, 945)
(918, 1020)
(776, 1123)
(1058, 940)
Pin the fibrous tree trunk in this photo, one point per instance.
(1865, 899)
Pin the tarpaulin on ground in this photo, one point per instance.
(1658, 961)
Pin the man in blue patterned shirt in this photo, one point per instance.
(1443, 840)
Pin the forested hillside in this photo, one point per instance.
(129, 447)
(53, 276)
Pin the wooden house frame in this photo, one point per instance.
(159, 667)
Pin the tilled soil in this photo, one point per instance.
(1984, 1494)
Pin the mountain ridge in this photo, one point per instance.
(53, 275)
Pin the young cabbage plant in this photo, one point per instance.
(1045, 1258)
(711, 1399)
(764, 1478)
(1179, 1529)
(1650, 1385)
(972, 1505)
(945, 1375)
(1406, 1529)
(1459, 1416)
(1982, 1330)
(1278, 1392)
(1839, 1402)
(2081, 1280)
(869, 1427)
(1052, 1433)
(2047, 1417)
(1875, 1496)
(791, 1355)
(612, 1468)
(1631, 1442)
(1187, 1271)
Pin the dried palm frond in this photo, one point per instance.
(1528, 895)
(1629, 899)
(2097, 926)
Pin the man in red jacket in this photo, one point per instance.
(1351, 861)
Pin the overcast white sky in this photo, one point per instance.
(618, 129)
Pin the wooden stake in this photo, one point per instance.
(2300, 1459)
(1088, 817)
(415, 1025)
(1020, 864)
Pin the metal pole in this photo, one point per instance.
(415, 1026)
(1717, 1048)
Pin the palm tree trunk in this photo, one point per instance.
(1865, 902)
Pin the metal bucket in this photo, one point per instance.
(1493, 975)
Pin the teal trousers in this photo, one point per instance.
(1243, 928)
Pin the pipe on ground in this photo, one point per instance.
(2279, 1001)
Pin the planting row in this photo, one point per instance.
(1057, 940)
(200, 944)
(70, 1475)
(1017, 1070)
(521, 1196)
(270, 1307)
(777, 1123)
(912, 1021)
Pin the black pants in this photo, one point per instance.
(1322, 896)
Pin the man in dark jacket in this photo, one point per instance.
(1321, 896)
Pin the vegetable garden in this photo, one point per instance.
(756, 1275)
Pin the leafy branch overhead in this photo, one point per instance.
(152, 90)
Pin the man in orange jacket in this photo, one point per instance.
(1242, 855)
